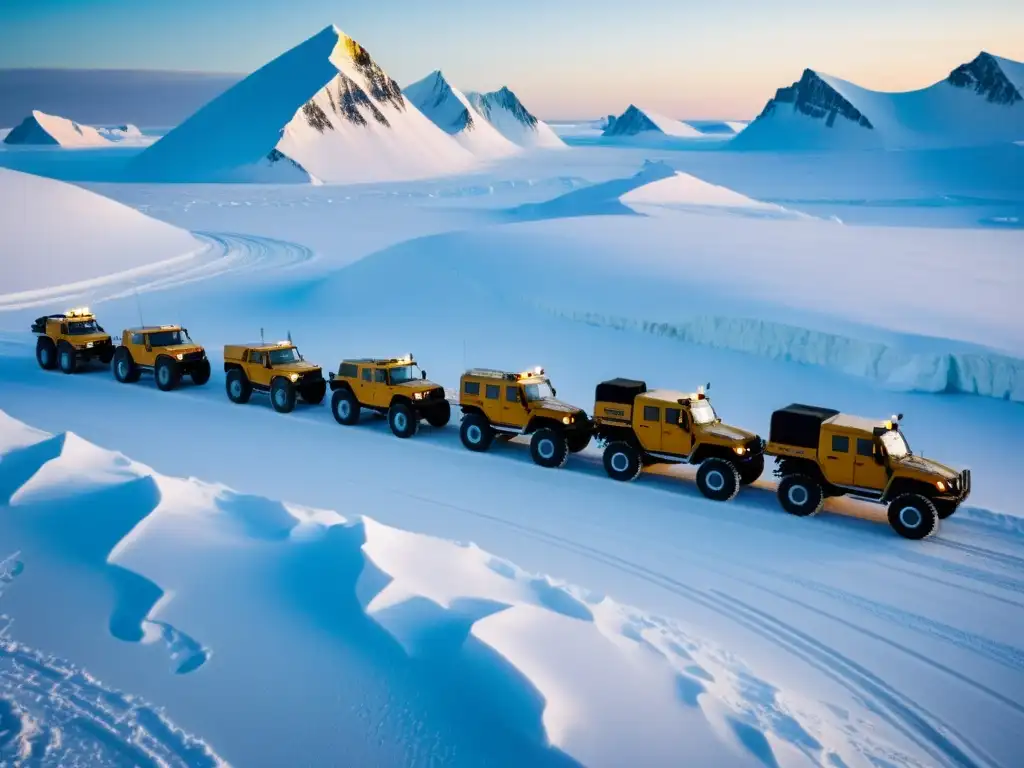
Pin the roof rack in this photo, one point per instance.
(490, 373)
(407, 360)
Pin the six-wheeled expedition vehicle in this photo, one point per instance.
(69, 339)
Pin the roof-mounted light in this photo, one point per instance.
(78, 312)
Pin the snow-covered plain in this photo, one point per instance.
(298, 633)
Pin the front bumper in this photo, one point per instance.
(95, 349)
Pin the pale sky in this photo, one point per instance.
(564, 58)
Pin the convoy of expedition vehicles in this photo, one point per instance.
(640, 427)
(166, 350)
(821, 452)
(503, 404)
(394, 386)
(71, 338)
(276, 368)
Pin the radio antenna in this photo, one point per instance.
(261, 337)
(138, 305)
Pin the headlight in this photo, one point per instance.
(567, 419)
(180, 356)
(940, 485)
(89, 344)
(740, 450)
(294, 377)
(418, 396)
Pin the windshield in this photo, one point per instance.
(166, 338)
(284, 356)
(895, 444)
(404, 373)
(702, 412)
(82, 327)
(539, 390)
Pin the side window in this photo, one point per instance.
(672, 415)
(256, 357)
(137, 339)
(472, 388)
(840, 443)
(493, 391)
(349, 370)
(367, 374)
(380, 376)
(652, 413)
(865, 447)
(512, 394)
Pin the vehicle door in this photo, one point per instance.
(648, 426)
(364, 385)
(257, 369)
(836, 452)
(513, 409)
(137, 344)
(869, 469)
(492, 402)
(674, 438)
(380, 391)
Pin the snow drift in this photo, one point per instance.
(979, 103)
(56, 232)
(50, 130)
(449, 109)
(636, 121)
(165, 577)
(656, 188)
(504, 110)
(323, 109)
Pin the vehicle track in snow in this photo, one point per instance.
(224, 253)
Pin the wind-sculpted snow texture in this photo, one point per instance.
(437, 651)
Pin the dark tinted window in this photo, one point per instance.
(380, 376)
(651, 413)
(865, 447)
(840, 443)
(349, 370)
(512, 394)
(671, 415)
(256, 357)
(472, 388)
(493, 391)
(137, 339)
(367, 374)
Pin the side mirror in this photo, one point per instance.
(424, 375)
(266, 362)
(684, 422)
(554, 392)
(149, 346)
(879, 458)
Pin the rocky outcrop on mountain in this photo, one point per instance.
(815, 98)
(986, 78)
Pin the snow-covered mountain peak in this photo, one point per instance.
(816, 96)
(326, 106)
(636, 120)
(451, 111)
(987, 76)
(503, 109)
